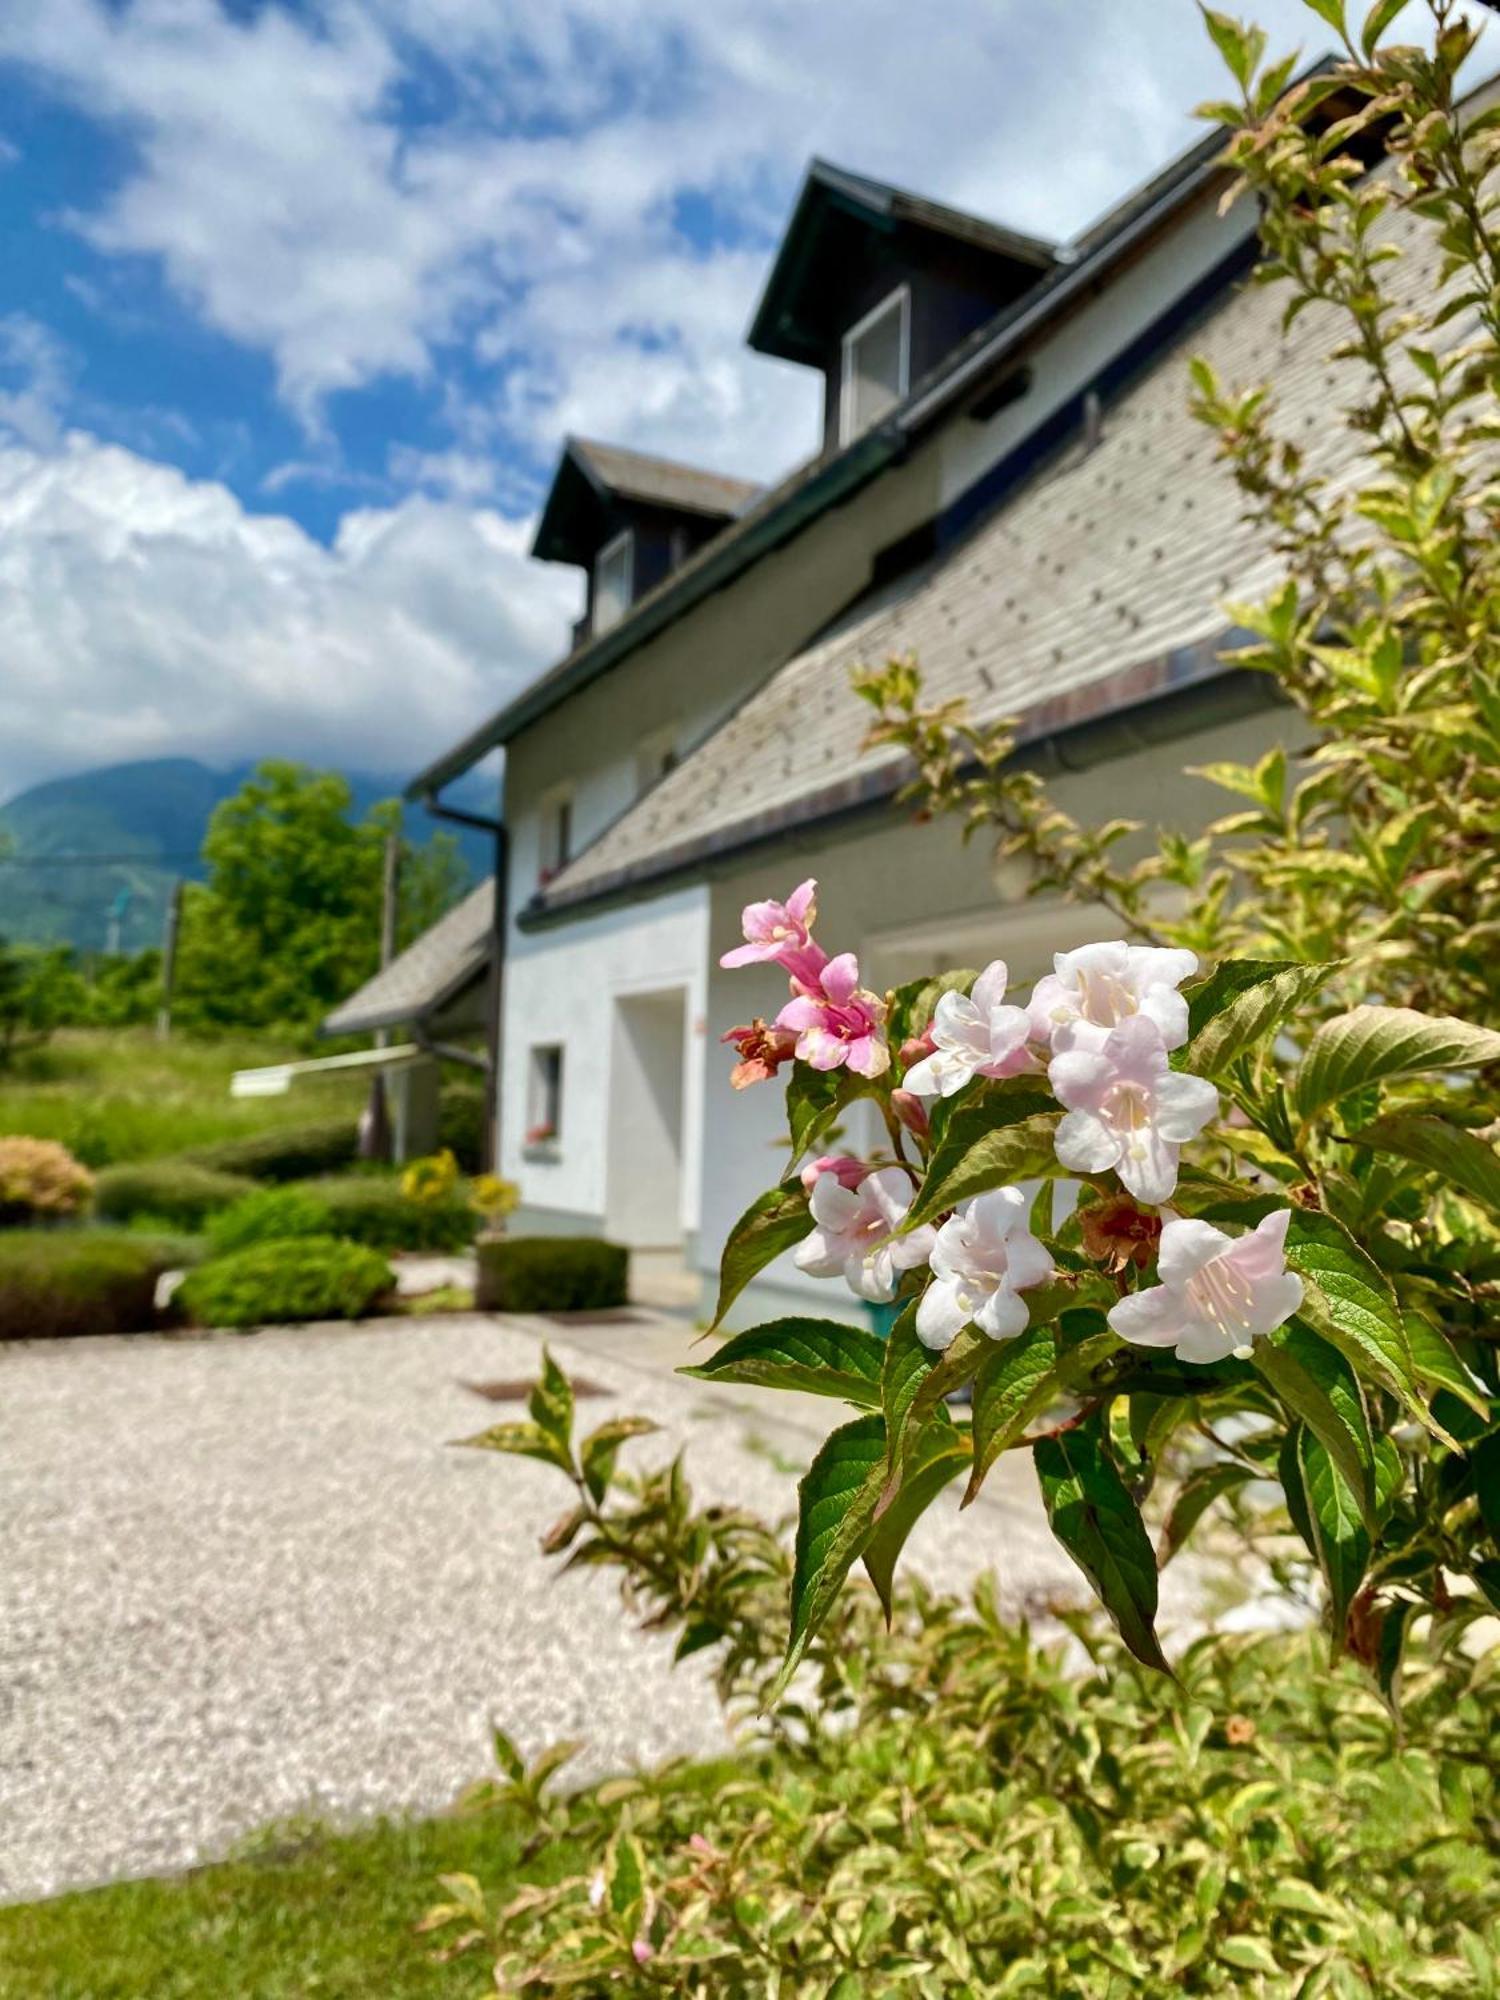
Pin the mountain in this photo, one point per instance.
(153, 815)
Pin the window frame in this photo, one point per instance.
(623, 542)
(554, 807)
(900, 298)
(544, 1099)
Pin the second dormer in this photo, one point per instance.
(875, 287)
(628, 519)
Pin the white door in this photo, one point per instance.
(643, 1201)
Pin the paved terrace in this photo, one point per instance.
(244, 1579)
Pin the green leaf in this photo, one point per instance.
(625, 1882)
(1436, 1361)
(1371, 1044)
(1000, 1138)
(1097, 1522)
(1194, 1497)
(551, 1404)
(1332, 11)
(915, 1382)
(597, 1453)
(1250, 1954)
(1239, 46)
(507, 1756)
(522, 1441)
(1377, 21)
(1242, 1001)
(1315, 1383)
(819, 1356)
(1485, 1459)
(836, 1503)
(1466, 1161)
(1340, 1540)
(772, 1223)
(1391, 1647)
(816, 1099)
(1017, 1380)
(940, 1454)
(1349, 1301)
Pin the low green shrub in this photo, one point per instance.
(289, 1153)
(179, 1193)
(550, 1274)
(269, 1215)
(373, 1209)
(463, 1125)
(40, 1181)
(307, 1278)
(59, 1282)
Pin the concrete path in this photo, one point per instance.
(244, 1578)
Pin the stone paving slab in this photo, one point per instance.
(245, 1579)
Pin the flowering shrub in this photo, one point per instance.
(40, 1180)
(1277, 1108)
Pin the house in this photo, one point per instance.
(1010, 487)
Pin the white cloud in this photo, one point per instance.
(143, 613)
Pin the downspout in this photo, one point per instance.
(497, 828)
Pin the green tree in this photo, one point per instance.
(288, 922)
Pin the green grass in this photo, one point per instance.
(306, 1914)
(119, 1094)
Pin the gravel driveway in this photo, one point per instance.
(243, 1578)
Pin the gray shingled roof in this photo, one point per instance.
(664, 482)
(1100, 580)
(428, 974)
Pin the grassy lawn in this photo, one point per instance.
(120, 1094)
(304, 1914)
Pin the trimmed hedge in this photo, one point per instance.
(288, 1153)
(180, 1193)
(370, 1208)
(550, 1274)
(308, 1278)
(60, 1282)
(269, 1215)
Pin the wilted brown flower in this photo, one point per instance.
(1117, 1233)
(762, 1049)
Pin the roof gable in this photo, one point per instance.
(842, 226)
(591, 480)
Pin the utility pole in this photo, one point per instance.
(375, 1133)
(171, 925)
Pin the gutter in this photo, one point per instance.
(1155, 701)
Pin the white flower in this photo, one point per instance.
(1093, 989)
(975, 1035)
(855, 1237)
(1218, 1293)
(1128, 1109)
(984, 1256)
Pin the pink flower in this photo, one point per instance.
(973, 1035)
(1128, 1109)
(1093, 989)
(846, 1170)
(761, 1050)
(836, 1021)
(856, 1235)
(1218, 1294)
(781, 934)
(984, 1257)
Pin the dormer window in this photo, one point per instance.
(614, 580)
(876, 370)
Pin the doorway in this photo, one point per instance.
(643, 1184)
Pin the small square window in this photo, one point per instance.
(877, 365)
(557, 833)
(544, 1096)
(614, 580)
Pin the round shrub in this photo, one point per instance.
(76, 1281)
(307, 1278)
(286, 1153)
(269, 1215)
(551, 1274)
(371, 1208)
(40, 1181)
(179, 1193)
(463, 1124)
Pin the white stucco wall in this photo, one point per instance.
(561, 987)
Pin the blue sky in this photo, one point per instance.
(299, 299)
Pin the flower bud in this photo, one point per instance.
(911, 1112)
